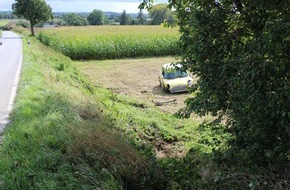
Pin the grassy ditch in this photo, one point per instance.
(58, 138)
(68, 133)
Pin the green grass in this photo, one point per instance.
(68, 134)
(58, 138)
(111, 42)
(3, 22)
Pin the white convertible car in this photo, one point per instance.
(173, 79)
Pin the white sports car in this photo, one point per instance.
(173, 79)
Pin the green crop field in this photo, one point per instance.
(4, 22)
(110, 42)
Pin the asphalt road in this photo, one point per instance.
(10, 61)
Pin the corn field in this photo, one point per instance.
(110, 42)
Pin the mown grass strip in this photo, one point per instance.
(111, 42)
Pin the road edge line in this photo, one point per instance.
(4, 122)
(15, 84)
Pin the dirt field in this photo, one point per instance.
(134, 77)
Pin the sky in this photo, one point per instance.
(131, 6)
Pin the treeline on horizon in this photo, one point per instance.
(10, 15)
(158, 15)
(60, 15)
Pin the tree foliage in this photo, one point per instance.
(33, 10)
(160, 13)
(73, 19)
(124, 18)
(96, 17)
(239, 50)
(141, 18)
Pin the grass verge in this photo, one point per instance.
(68, 134)
(58, 139)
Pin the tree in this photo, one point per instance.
(239, 50)
(96, 17)
(73, 19)
(160, 13)
(33, 10)
(124, 18)
(170, 20)
(141, 18)
(106, 20)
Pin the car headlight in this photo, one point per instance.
(189, 83)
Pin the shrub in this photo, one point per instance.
(23, 23)
(240, 52)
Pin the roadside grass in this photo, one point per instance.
(58, 138)
(68, 133)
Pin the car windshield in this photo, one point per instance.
(174, 74)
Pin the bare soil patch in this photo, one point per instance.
(134, 77)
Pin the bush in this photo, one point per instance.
(23, 23)
(241, 54)
(19, 29)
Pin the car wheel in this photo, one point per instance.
(163, 87)
(167, 88)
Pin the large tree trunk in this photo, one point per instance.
(31, 28)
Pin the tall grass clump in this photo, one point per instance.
(111, 42)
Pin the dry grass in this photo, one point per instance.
(137, 78)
